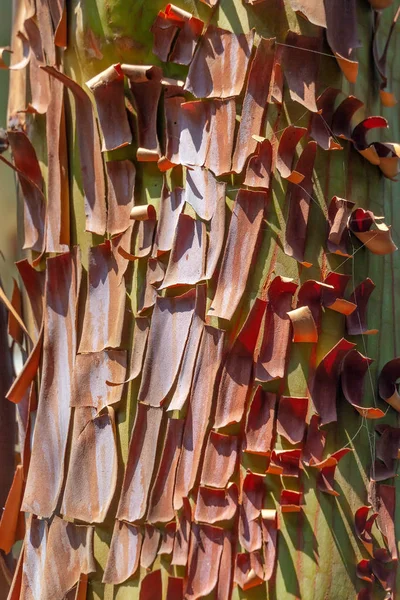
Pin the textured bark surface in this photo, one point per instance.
(238, 460)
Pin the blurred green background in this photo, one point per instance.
(8, 201)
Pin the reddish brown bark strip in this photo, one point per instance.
(194, 135)
(271, 351)
(151, 542)
(299, 205)
(216, 233)
(176, 33)
(378, 240)
(31, 181)
(91, 373)
(11, 513)
(386, 517)
(356, 322)
(108, 90)
(304, 326)
(311, 10)
(120, 186)
(90, 155)
(92, 469)
(171, 207)
(354, 369)
(270, 527)
(258, 172)
(221, 136)
(254, 103)
(186, 372)
(172, 112)
(168, 336)
(34, 282)
(324, 384)
(338, 216)
(218, 69)
(124, 554)
(286, 151)
(252, 497)
(321, 122)
(57, 214)
(291, 421)
(105, 302)
(244, 226)
(202, 192)
(215, 506)
(363, 526)
(206, 544)
(201, 396)
(161, 498)
(341, 30)
(141, 463)
(145, 85)
(260, 423)
(219, 460)
(249, 571)
(290, 501)
(300, 63)
(24, 379)
(182, 535)
(46, 471)
(387, 383)
(315, 442)
(186, 264)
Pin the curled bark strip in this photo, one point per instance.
(162, 493)
(387, 452)
(155, 273)
(386, 517)
(151, 542)
(24, 379)
(108, 90)
(3, 64)
(338, 217)
(311, 294)
(124, 553)
(325, 381)
(275, 95)
(299, 205)
(91, 373)
(290, 501)
(286, 150)
(145, 85)
(219, 460)
(326, 479)
(260, 423)
(360, 131)
(215, 506)
(245, 225)
(387, 386)
(186, 264)
(363, 525)
(143, 212)
(120, 190)
(167, 539)
(387, 98)
(92, 469)
(315, 442)
(225, 575)
(176, 33)
(45, 477)
(364, 571)
(258, 172)
(13, 312)
(252, 496)
(219, 67)
(169, 330)
(356, 322)
(141, 463)
(321, 122)
(202, 192)
(10, 515)
(378, 240)
(31, 180)
(354, 369)
(304, 327)
(271, 352)
(196, 423)
(333, 298)
(341, 30)
(254, 104)
(105, 302)
(194, 132)
(90, 155)
(249, 570)
(291, 420)
(311, 10)
(285, 462)
(300, 66)
(270, 528)
(344, 120)
(389, 155)
(171, 207)
(206, 544)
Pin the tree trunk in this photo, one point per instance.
(219, 392)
